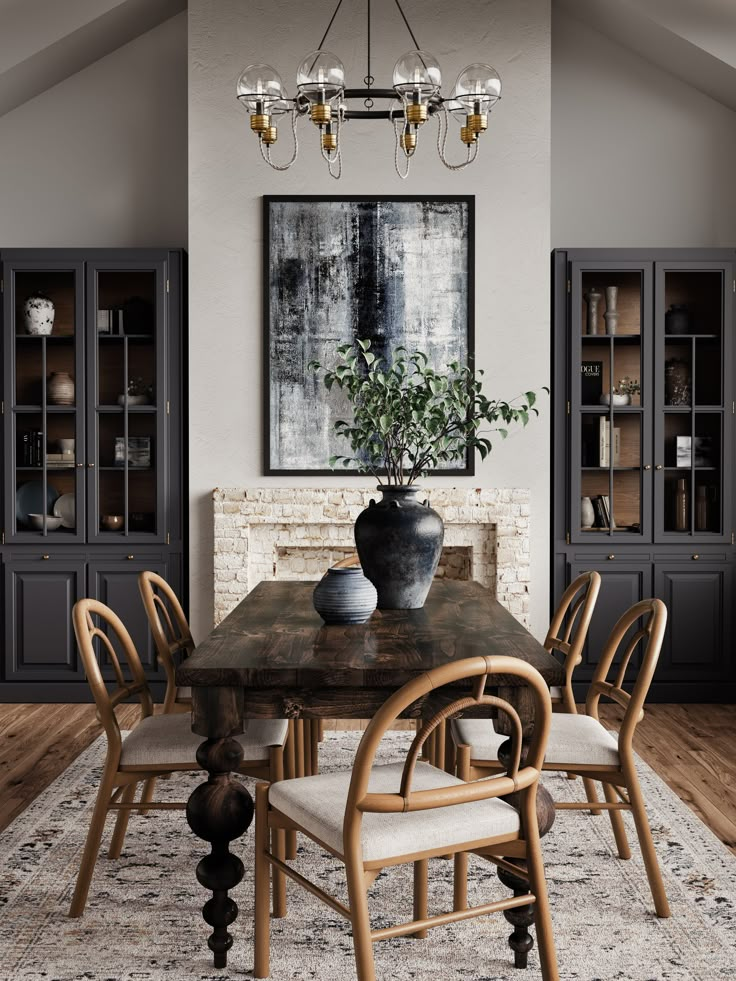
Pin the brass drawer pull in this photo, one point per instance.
(611, 556)
(695, 557)
(647, 466)
(90, 465)
(658, 467)
(45, 556)
(80, 464)
(130, 556)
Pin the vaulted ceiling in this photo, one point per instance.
(42, 42)
(694, 40)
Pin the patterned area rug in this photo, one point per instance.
(143, 919)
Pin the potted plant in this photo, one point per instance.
(409, 419)
(140, 392)
(622, 392)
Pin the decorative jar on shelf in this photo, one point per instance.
(615, 399)
(677, 319)
(38, 314)
(60, 388)
(587, 514)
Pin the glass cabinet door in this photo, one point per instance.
(693, 423)
(44, 425)
(128, 402)
(611, 399)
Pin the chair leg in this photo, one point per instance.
(591, 793)
(538, 885)
(421, 889)
(147, 793)
(321, 730)
(460, 882)
(360, 922)
(121, 824)
(278, 838)
(617, 823)
(290, 773)
(647, 845)
(314, 745)
(262, 918)
(91, 846)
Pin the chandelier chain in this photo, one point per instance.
(443, 125)
(398, 128)
(266, 150)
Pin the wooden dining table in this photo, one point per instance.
(273, 657)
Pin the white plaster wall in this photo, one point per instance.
(639, 158)
(227, 180)
(101, 159)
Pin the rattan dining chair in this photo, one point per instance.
(372, 817)
(581, 745)
(159, 744)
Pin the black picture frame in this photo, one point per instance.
(268, 434)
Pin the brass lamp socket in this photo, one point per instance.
(329, 142)
(478, 122)
(467, 135)
(260, 122)
(320, 113)
(416, 113)
(408, 143)
(270, 135)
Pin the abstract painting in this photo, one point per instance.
(397, 270)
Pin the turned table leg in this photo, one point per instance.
(219, 811)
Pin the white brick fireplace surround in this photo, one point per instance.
(295, 533)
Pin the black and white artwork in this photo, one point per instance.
(395, 270)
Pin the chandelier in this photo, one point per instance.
(414, 98)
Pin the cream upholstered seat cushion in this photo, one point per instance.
(572, 739)
(480, 735)
(162, 740)
(317, 804)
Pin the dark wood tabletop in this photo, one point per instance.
(274, 639)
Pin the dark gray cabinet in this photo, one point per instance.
(643, 450)
(40, 592)
(93, 445)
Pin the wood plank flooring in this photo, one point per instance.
(692, 747)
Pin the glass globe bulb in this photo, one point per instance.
(259, 87)
(417, 76)
(321, 77)
(478, 87)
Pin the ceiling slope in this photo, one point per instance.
(694, 40)
(39, 51)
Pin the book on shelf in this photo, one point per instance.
(604, 443)
(602, 511)
(591, 382)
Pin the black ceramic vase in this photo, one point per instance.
(399, 541)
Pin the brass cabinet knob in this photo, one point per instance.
(45, 556)
(130, 556)
(611, 556)
(90, 465)
(647, 466)
(695, 557)
(658, 467)
(80, 464)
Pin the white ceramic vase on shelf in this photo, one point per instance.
(616, 400)
(38, 314)
(587, 514)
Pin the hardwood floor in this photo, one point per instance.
(692, 747)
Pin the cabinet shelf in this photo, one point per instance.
(616, 338)
(615, 469)
(138, 410)
(50, 409)
(605, 410)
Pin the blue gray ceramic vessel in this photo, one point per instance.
(399, 541)
(345, 596)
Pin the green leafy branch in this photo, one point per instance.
(408, 418)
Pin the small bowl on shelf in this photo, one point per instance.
(112, 522)
(36, 521)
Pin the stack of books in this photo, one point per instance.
(30, 449)
(602, 508)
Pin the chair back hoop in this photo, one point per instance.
(86, 631)
(651, 634)
(458, 707)
(170, 638)
(479, 668)
(578, 600)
